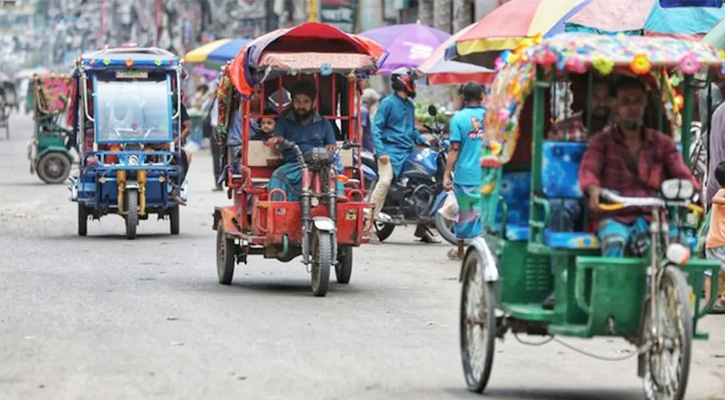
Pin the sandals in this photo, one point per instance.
(427, 237)
(453, 255)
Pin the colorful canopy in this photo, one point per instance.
(217, 52)
(245, 69)
(509, 25)
(407, 45)
(644, 17)
(440, 71)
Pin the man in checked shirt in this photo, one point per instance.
(634, 161)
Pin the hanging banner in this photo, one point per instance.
(690, 3)
(341, 14)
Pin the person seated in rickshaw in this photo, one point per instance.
(308, 130)
(566, 214)
(634, 161)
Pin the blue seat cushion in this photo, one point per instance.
(516, 192)
(517, 232)
(560, 171)
(571, 240)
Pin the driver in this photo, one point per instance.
(308, 130)
(632, 160)
(395, 137)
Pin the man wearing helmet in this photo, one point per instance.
(395, 137)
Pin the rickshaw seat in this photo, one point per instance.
(560, 180)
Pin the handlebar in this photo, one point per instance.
(622, 202)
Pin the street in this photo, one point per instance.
(102, 317)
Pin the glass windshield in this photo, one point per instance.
(132, 111)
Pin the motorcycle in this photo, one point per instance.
(417, 193)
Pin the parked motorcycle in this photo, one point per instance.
(417, 193)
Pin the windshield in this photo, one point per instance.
(132, 111)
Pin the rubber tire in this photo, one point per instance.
(82, 220)
(477, 384)
(385, 231)
(174, 220)
(321, 247)
(65, 164)
(225, 255)
(682, 291)
(131, 204)
(446, 233)
(343, 269)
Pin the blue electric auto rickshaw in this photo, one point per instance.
(127, 123)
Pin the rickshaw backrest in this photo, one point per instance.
(560, 171)
(261, 155)
(516, 192)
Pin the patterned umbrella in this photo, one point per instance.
(216, 53)
(509, 25)
(644, 17)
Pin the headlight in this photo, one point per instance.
(133, 159)
(678, 189)
(314, 202)
(678, 254)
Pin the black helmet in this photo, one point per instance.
(404, 79)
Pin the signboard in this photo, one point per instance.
(690, 3)
(341, 14)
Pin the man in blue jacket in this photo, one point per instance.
(395, 137)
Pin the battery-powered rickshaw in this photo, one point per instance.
(320, 227)
(49, 149)
(652, 297)
(125, 116)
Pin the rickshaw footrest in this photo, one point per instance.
(576, 330)
(702, 336)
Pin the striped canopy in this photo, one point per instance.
(216, 53)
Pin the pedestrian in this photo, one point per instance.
(395, 137)
(369, 99)
(466, 136)
(715, 243)
(216, 147)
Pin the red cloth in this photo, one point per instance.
(606, 163)
(575, 129)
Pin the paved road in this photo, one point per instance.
(103, 317)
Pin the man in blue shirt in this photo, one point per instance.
(308, 130)
(395, 137)
(467, 133)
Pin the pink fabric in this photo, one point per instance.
(614, 15)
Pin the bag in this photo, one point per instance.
(449, 209)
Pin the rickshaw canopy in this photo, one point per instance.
(318, 47)
(129, 57)
(652, 58)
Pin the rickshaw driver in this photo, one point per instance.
(308, 130)
(633, 160)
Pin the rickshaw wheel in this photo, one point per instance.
(667, 362)
(82, 220)
(131, 203)
(174, 223)
(383, 230)
(225, 252)
(477, 324)
(321, 261)
(343, 269)
(53, 168)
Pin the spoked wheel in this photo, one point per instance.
(82, 219)
(477, 324)
(225, 255)
(321, 262)
(131, 203)
(667, 362)
(174, 223)
(54, 167)
(343, 269)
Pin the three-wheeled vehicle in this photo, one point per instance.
(125, 116)
(49, 149)
(652, 300)
(256, 85)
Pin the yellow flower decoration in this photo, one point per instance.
(488, 188)
(495, 147)
(640, 64)
(538, 38)
(603, 65)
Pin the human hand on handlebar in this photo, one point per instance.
(331, 148)
(274, 141)
(594, 191)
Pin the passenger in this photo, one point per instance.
(716, 241)
(263, 128)
(308, 130)
(632, 160)
(566, 214)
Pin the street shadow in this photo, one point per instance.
(549, 394)
(121, 236)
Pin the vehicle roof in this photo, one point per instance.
(126, 57)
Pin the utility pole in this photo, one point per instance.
(462, 14)
(425, 12)
(442, 15)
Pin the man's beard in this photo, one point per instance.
(302, 115)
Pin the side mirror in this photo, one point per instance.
(432, 110)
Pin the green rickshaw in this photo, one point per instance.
(652, 300)
(49, 149)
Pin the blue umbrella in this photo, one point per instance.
(227, 51)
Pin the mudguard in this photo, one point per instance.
(489, 267)
(438, 202)
(324, 224)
